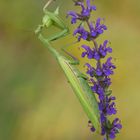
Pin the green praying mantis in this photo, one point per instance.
(77, 80)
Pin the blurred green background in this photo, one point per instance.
(36, 102)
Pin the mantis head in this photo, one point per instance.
(47, 19)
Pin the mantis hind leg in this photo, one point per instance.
(75, 61)
(53, 37)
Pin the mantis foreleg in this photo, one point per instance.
(52, 18)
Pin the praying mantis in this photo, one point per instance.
(77, 80)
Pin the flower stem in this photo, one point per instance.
(95, 44)
(107, 137)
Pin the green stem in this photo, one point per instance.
(107, 137)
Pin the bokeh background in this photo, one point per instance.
(36, 102)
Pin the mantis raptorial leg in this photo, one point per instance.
(52, 18)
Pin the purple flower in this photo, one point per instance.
(107, 108)
(86, 10)
(116, 126)
(74, 16)
(98, 70)
(82, 33)
(91, 126)
(97, 54)
(103, 49)
(90, 70)
(91, 53)
(103, 118)
(116, 123)
(110, 109)
(88, 52)
(85, 13)
(108, 67)
(97, 88)
(106, 82)
(97, 29)
(111, 98)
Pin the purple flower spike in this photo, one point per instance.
(100, 73)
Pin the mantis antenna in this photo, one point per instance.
(47, 4)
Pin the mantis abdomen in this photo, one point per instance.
(82, 90)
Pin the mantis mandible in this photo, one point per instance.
(77, 80)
